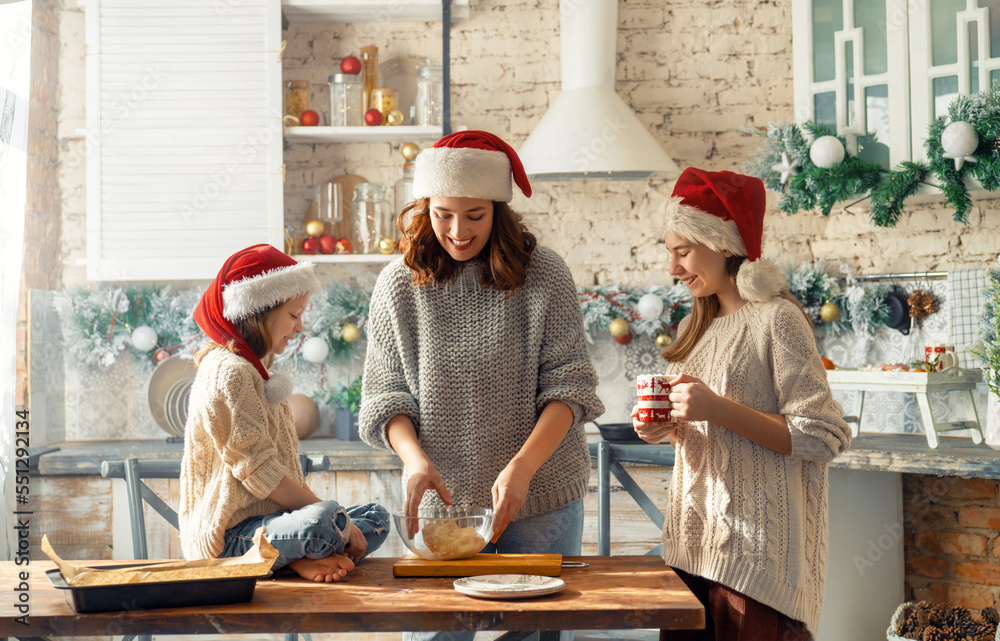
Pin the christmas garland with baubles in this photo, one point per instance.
(813, 168)
(101, 322)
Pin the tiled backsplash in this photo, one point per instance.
(110, 403)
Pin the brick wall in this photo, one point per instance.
(952, 543)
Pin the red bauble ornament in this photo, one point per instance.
(327, 244)
(350, 64)
(310, 245)
(373, 117)
(309, 118)
(344, 246)
(624, 340)
(161, 354)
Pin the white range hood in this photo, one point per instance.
(589, 132)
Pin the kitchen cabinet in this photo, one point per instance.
(444, 11)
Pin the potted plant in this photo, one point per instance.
(345, 400)
(987, 350)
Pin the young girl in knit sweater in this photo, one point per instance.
(240, 469)
(753, 422)
(477, 371)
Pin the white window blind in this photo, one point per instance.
(184, 135)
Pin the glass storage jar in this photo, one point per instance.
(346, 109)
(371, 217)
(296, 97)
(430, 96)
(386, 100)
(403, 190)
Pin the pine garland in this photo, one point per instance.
(329, 311)
(814, 187)
(601, 305)
(987, 348)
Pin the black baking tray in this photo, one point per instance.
(158, 594)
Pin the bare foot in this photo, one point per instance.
(331, 568)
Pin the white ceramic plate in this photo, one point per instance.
(509, 586)
(168, 373)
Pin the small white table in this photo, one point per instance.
(920, 384)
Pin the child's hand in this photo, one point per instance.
(653, 432)
(692, 399)
(357, 545)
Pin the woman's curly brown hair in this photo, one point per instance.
(505, 256)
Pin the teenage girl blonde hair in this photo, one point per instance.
(704, 309)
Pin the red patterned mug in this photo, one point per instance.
(653, 398)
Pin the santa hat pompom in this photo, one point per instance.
(759, 280)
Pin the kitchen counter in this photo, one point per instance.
(84, 457)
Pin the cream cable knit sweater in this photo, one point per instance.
(740, 514)
(237, 448)
(474, 371)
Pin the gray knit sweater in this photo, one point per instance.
(474, 372)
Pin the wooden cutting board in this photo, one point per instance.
(540, 564)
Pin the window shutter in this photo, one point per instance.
(184, 144)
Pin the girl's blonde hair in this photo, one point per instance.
(254, 330)
(704, 309)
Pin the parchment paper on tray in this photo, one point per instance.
(256, 562)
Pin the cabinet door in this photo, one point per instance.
(955, 49)
(183, 135)
(851, 71)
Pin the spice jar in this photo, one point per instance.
(386, 101)
(369, 74)
(296, 97)
(346, 109)
(430, 95)
(371, 217)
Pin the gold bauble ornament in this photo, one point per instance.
(663, 341)
(351, 333)
(410, 151)
(618, 328)
(386, 245)
(394, 118)
(829, 312)
(315, 228)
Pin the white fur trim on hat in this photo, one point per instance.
(267, 289)
(759, 280)
(756, 281)
(463, 173)
(695, 225)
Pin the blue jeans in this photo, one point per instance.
(559, 532)
(315, 531)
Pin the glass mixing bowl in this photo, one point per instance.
(450, 532)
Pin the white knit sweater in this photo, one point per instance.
(237, 448)
(474, 370)
(741, 514)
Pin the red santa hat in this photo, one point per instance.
(725, 211)
(253, 279)
(469, 164)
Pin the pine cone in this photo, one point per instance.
(989, 615)
(934, 633)
(955, 617)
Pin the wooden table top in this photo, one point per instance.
(613, 593)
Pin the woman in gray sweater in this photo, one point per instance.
(477, 372)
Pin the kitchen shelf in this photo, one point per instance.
(363, 134)
(347, 258)
(372, 10)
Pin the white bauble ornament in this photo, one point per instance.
(315, 350)
(826, 152)
(143, 338)
(650, 307)
(959, 140)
